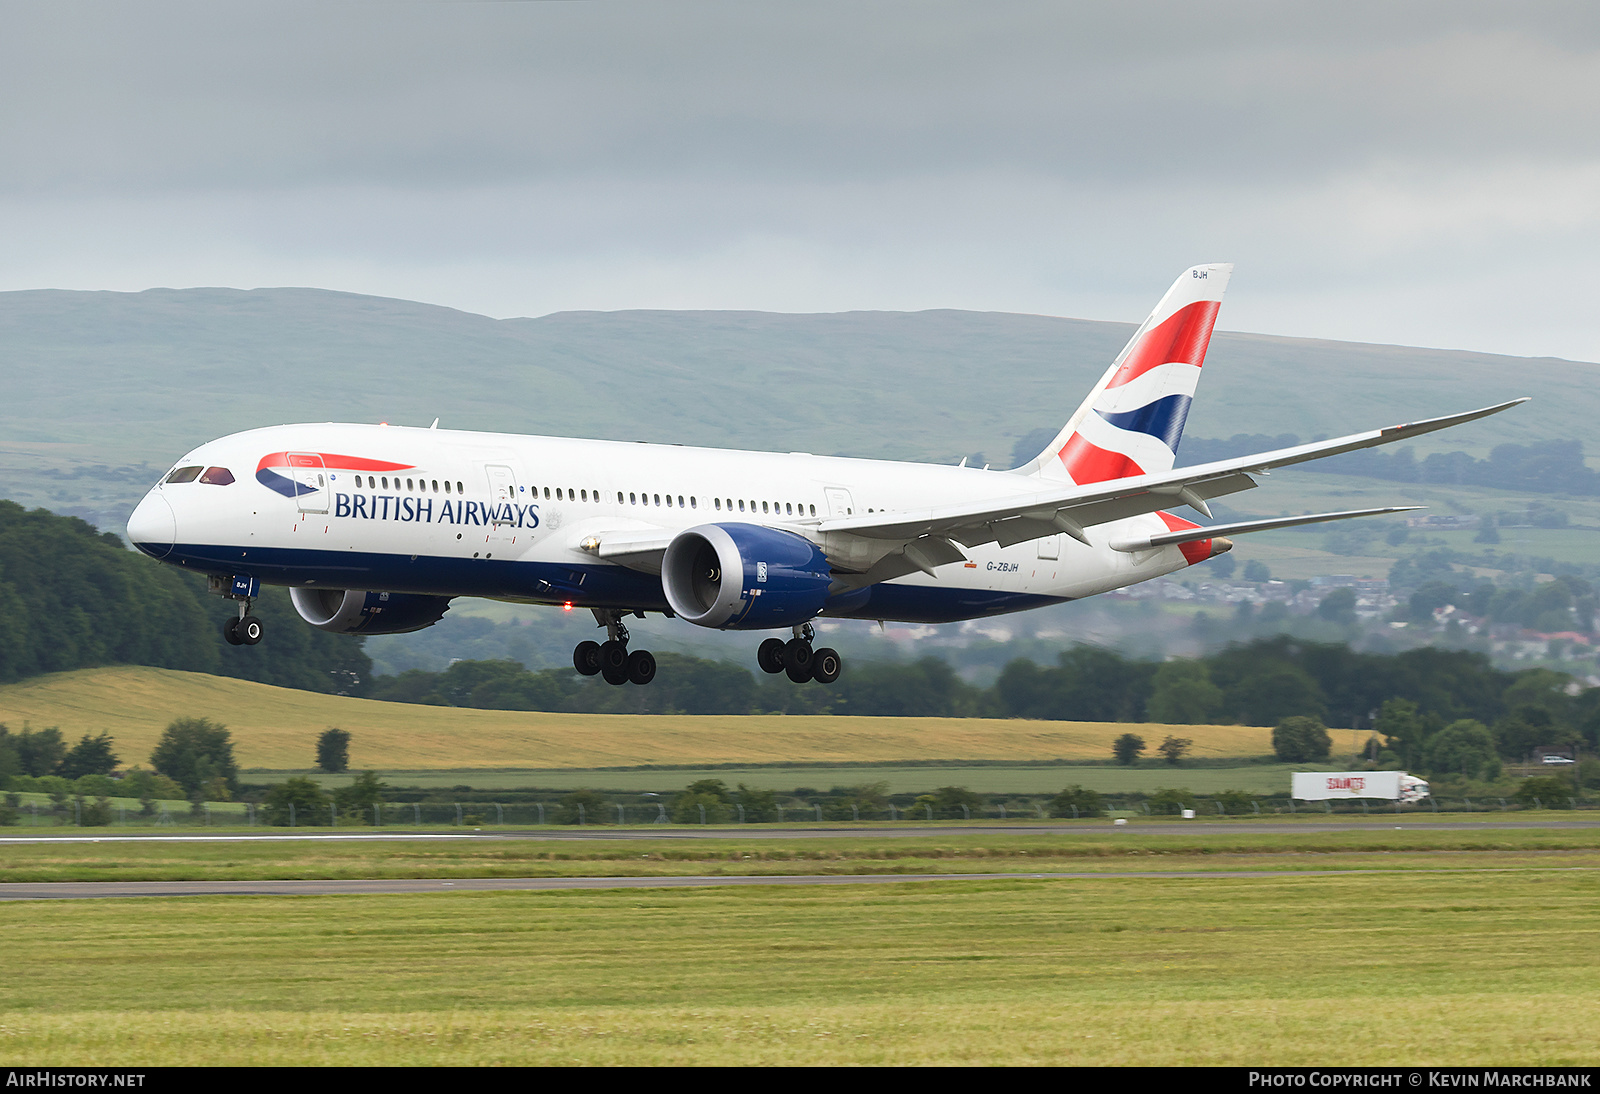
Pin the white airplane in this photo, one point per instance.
(375, 528)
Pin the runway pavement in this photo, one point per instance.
(912, 831)
(79, 890)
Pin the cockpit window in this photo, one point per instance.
(217, 476)
(185, 474)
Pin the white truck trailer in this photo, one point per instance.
(1317, 786)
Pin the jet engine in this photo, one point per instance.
(744, 577)
(354, 611)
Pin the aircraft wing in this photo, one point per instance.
(1072, 509)
(636, 548)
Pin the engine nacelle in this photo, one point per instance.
(744, 577)
(353, 611)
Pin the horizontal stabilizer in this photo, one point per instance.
(1190, 535)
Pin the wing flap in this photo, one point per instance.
(1190, 535)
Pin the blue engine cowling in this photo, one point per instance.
(744, 577)
(353, 611)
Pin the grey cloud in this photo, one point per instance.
(108, 97)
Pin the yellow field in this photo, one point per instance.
(276, 729)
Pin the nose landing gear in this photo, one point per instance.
(798, 660)
(246, 629)
(610, 659)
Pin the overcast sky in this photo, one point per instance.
(1426, 174)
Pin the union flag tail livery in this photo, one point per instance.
(1131, 422)
(373, 529)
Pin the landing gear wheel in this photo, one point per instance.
(825, 665)
(614, 662)
(769, 655)
(230, 631)
(248, 629)
(641, 666)
(586, 658)
(797, 659)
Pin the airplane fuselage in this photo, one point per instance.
(454, 513)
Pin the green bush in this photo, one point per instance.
(1464, 747)
(1171, 801)
(685, 808)
(1235, 801)
(90, 756)
(1547, 790)
(1127, 747)
(333, 751)
(309, 802)
(149, 785)
(97, 786)
(355, 802)
(760, 806)
(593, 811)
(95, 814)
(1088, 803)
(193, 752)
(1300, 739)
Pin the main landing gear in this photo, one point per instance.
(798, 659)
(610, 659)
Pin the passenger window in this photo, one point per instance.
(717, 503)
(446, 485)
(633, 499)
(658, 499)
(788, 508)
(217, 476)
(763, 507)
(408, 485)
(558, 494)
(813, 510)
(741, 505)
(459, 488)
(669, 501)
(435, 486)
(680, 501)
(619, 497)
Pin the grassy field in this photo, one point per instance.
(276, 729)
(1453, 968)
(1084, 845)
(983, 779)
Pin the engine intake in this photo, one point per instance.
(744, 577)
(354, 611)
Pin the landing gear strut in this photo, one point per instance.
(611, 659)
(246, 629)
(797, 658)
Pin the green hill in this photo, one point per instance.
(104, 390)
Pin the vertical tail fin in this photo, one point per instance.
(1131, 422)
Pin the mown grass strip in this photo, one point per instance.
(949, 852)
(1434, 968)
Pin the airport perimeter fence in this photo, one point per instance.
(480, 815)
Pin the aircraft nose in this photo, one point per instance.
(153, 528)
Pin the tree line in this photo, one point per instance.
(73, 598)
(1256, 683)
